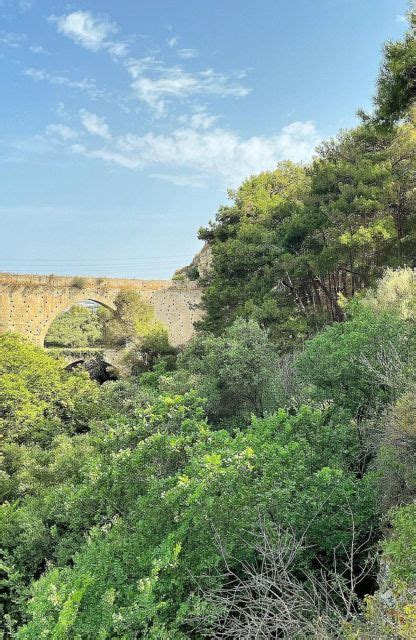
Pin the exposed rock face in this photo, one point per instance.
(200, 265)
(203, 260)
(30, 303)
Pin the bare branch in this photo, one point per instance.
(270, 597)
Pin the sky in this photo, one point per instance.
(123, 124)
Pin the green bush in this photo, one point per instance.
(152, 495)
(77, 327)
(79, 282)
(391, 611)
(38, 398)
(236, 373)
(358, 365)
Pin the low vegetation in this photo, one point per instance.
(80, 327)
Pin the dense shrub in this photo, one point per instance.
(391, 611)
(38, 398)
(236, 373)
(77, 327)
(150, 494)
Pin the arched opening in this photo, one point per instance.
(97, 368)
(78, 335)
(123, 331)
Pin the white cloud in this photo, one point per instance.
(297, 140)
(199, 120)
(83, 28)
(41, 74)
(194, 151)
(188, 54)
(215, 153)
(95, 125)
(62, 131)
(61, 111)
(175, 82)
(12, 40)
(22, 5)
(86, 85)
(154, 83)
(118, 49)
(37, 49)
(137, 66)
(202, 120)
(196, 181)
(90, 32)
(107, 156)
(51, 144)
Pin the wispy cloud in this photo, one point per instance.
(12, 40)
(25, 5)
(195, 181)
(176, 83)
(21, 5)
(198, 120)
(95, 125)
(51, 143)
(61, 131)
(195, 149)
(153, 82)
(107, 155)
(36, 48)
(84, 29)
(188, 54)
(214, 153)
(86, 85)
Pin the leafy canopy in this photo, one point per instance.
(38, 398)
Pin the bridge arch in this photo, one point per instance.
(62, 308)
(29, 303)
(99, 370)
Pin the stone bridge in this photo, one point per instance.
(30, 303)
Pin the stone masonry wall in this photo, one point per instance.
(30, 303)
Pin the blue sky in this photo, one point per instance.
(124, 123)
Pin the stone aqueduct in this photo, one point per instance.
(30, 303)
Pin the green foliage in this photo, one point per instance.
(115, 498)
(396, 452)
(79, 282)
(77, 327)
(346, 364)
(399, 549)
(113, 528)
(361, 365)
(134, 330)
(148, 538)
(298, 239)
(395, 293)
(397, 81)
(249, 241)
(391, 611)
(236, 373)
(38, 398)
(179, 277)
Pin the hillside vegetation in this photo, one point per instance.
(261, 483)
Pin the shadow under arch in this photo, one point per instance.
(98, 369)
